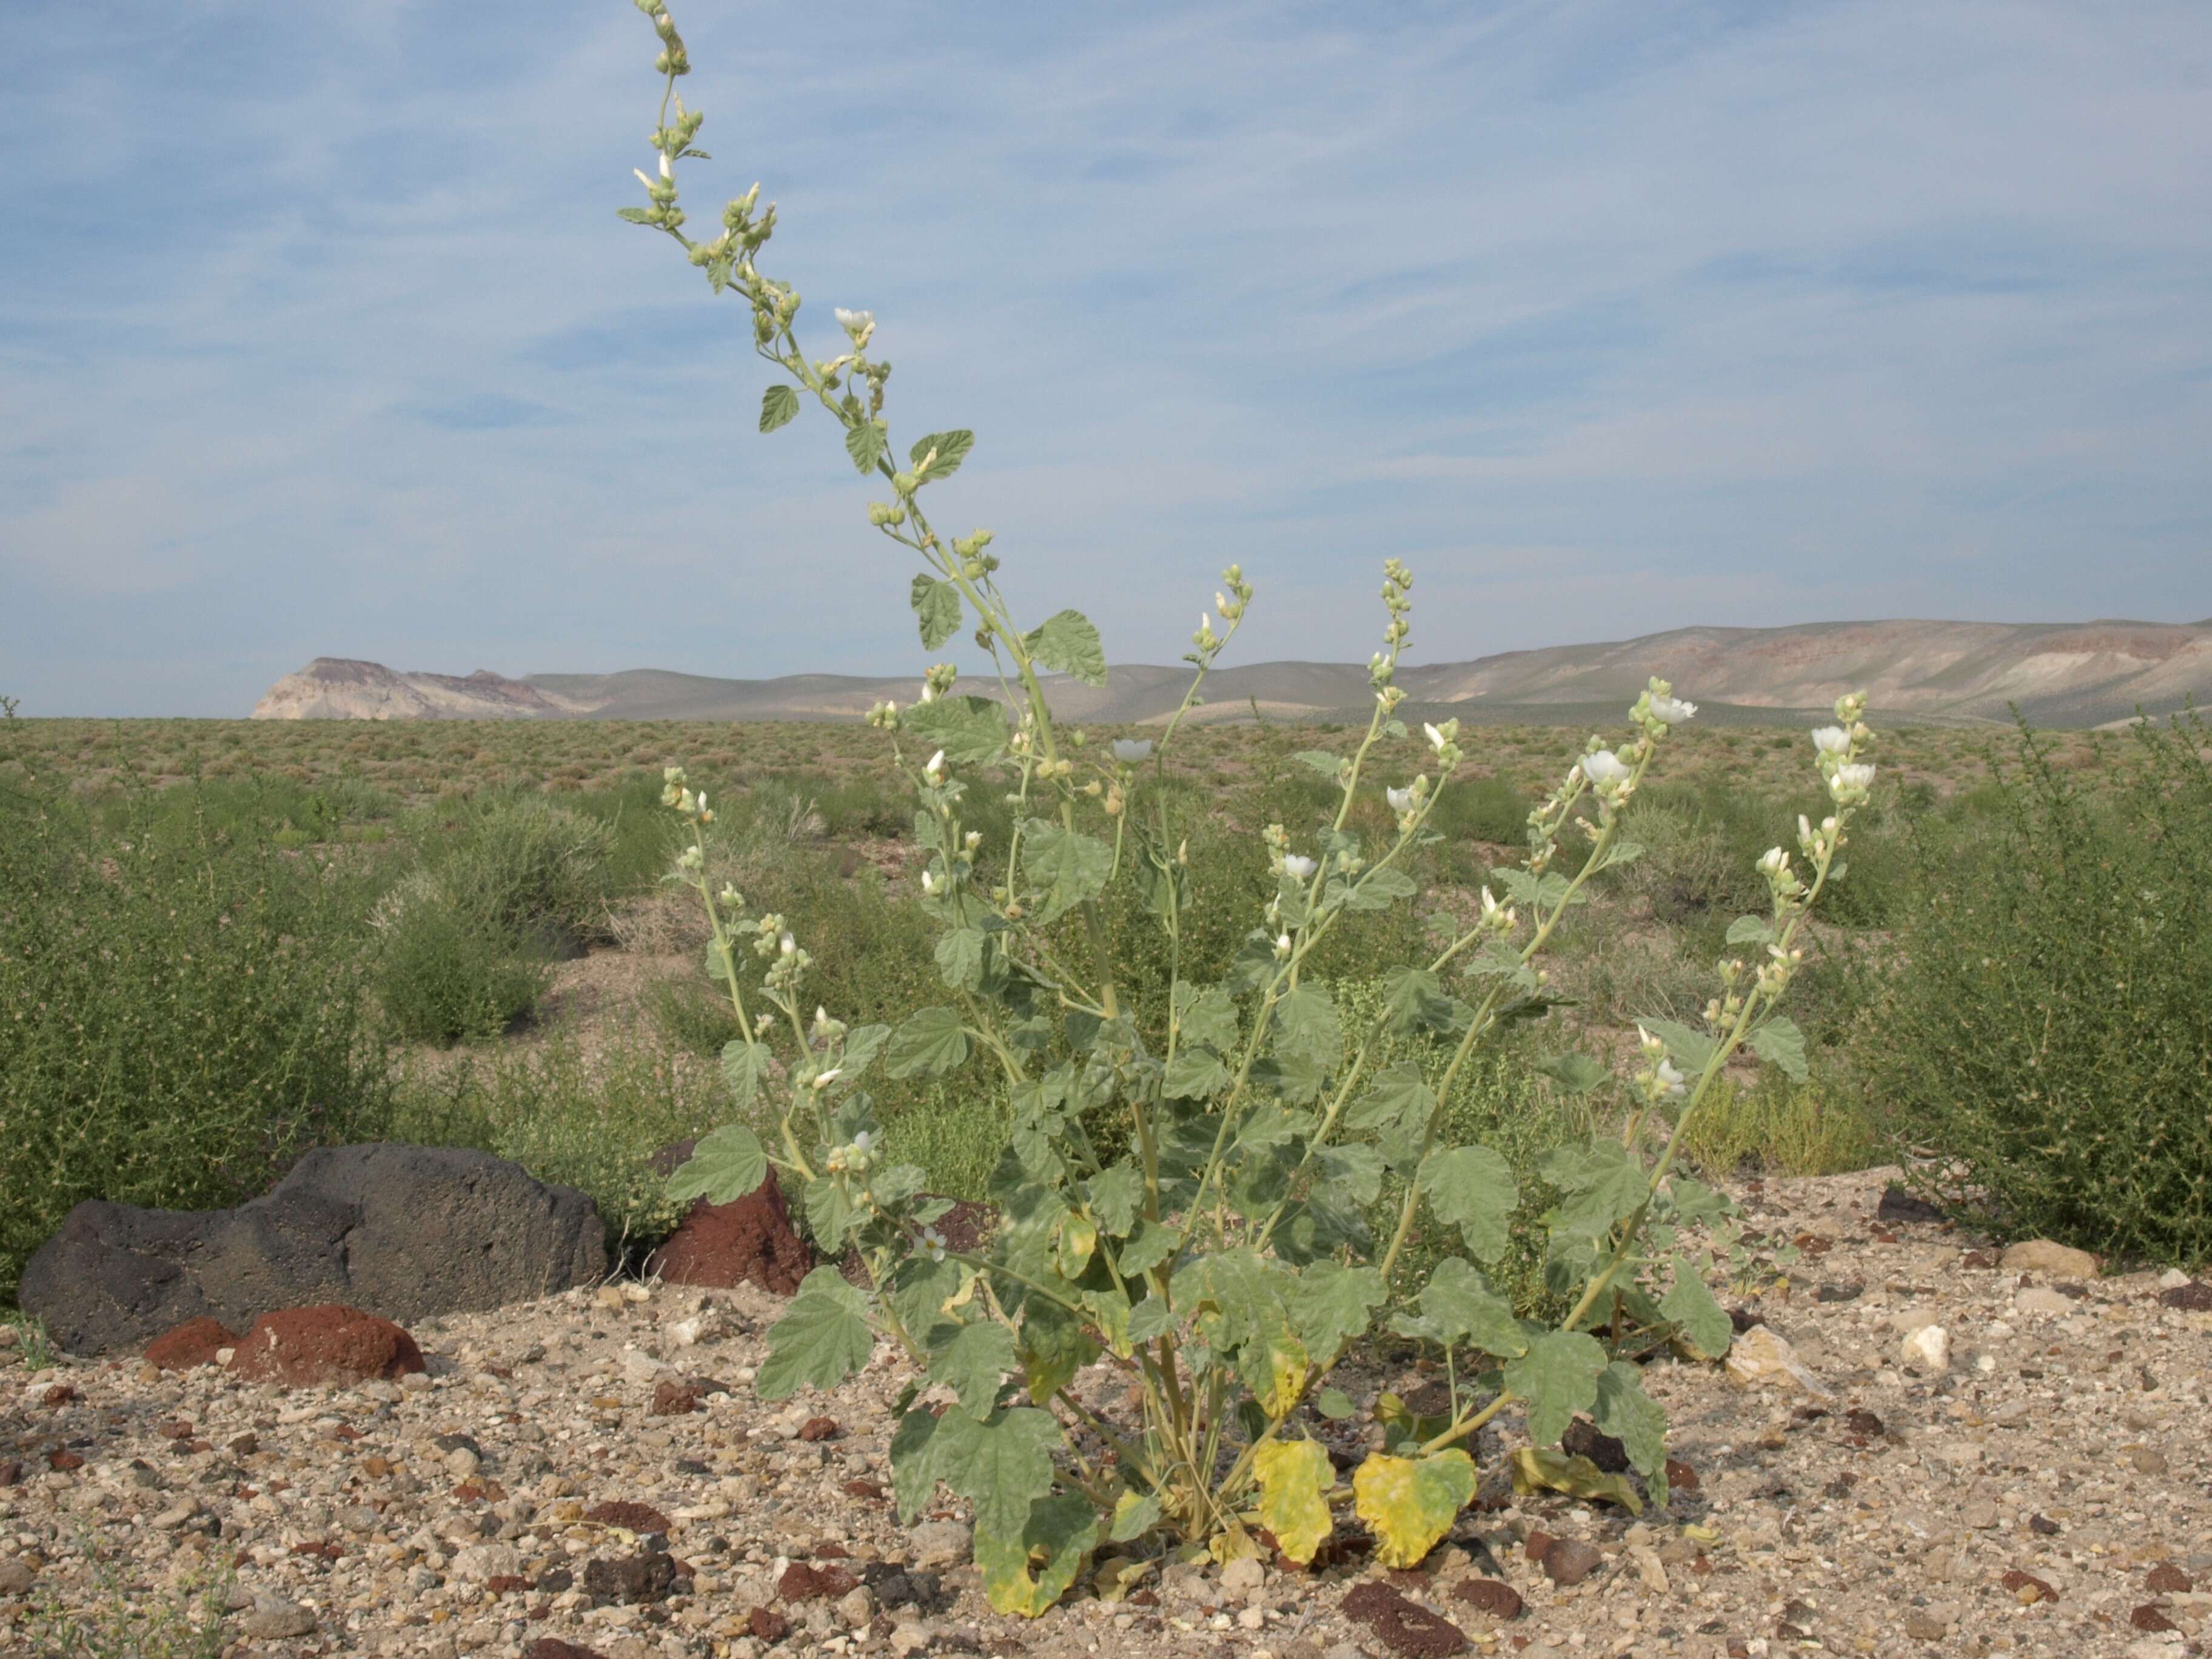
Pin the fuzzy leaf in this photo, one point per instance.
(1332, 1306)
(1070, 866)
(1207, 1017)
(822, 1338)
(1024, 1572)
(1693, 1047)
(1000, 1464)
(1778, 1040)
(1399, 1097)
(1307, 1028)
(1380, 888)
(743, 1064)
(1557, 1377)
(1116, 1194)
(960, 957)
(778, 407)
(1472, 1188)
(1535, 1469)
(1577, 1073)
(1700, 1322)
(1149, 1245)
(1751, 930)
(1633, 1417)
(1598, 1184)
(1459, 1302)
(1415, 1000)
(723, 1167)
(1068, 643)
(971, 1360)
(1295, 1477)
(865, 444)
(971, 730)
(1410, 1502)
(1134, 1516)
(914, 1471)
(931, 1043)
(1195, 1073)
(952, 449)
(937, 607)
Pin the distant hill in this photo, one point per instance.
(2059, 674)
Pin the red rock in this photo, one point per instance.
(507, 1584)
(2026, 1586)
(673, 1398)
(305, 1348)
(767, 1623)
(801, 1582)
(1568, 1561)
(819, 1428)
(551, 1647)
(2166, 1579)
(1404, 1626)
(1681, 1476)
(2151, 1617)
(1539, 1545)
(64, 1460)
(1491, 1595)
(630, 1518)
(193, 1343)
(11, 1473)
(750, 1241)
(59, 1395)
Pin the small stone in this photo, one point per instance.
(1980, 1515)
(1570, 1561)
(646, 1577)
(939, 1543)
(2151, 1617)
(479, 1563)
(16, 1577)
(911, 1635)
(273, 1619)
(1252, 1619)
(635, 1292)
(684, 1332)
(2191, 1297)
(2044, 1255)
(1928, 1349)
(642, 1368)
(2042, 1299)
(608, 1296)
(1491, 1595)
(815, 1428)
(855, 1607)
(1242, 1575)
(1760, 1357)
(462, 1463)
(2173, 1279)
(2144, 1461)
(2026, 1588)
(1923, 1626)
(673, 1398)
(2166, 1579)
(195, 1342)
(1404, 1626)
(177, 1514)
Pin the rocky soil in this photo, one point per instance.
(594, 1470)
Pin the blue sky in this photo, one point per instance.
(319, 334)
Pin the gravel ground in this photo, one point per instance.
(2044, 1491)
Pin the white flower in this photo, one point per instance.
(1282, 944)
(928, 693)
(934, 1242)
(863, 1141)
(1832, 740)
(1671, 1081)
(1298, 868)
(824, 1079)
(1672, 710)
(642, 179)
(787, 945)
(1130, 750)
(1855, 778)
(935, 771)
(1652, 1045)
(854, 322)
(1604, 767)
(928, 882)
(1436, 737)
(1401, 800)
(664, 171)
(1773, 862)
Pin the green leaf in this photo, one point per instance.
(1599, 1185)
(1151, 1244)
(1621, 852)
(914, 1472)
(1053, 1346)
(1459, 1302)
(1633, 1417)
(1472, 1188)
(972, 1360)
(1335, 1404)
(1000, 1464)
(862, 1044)
(1194, 1075)
(778, 407)
(1354, 1172)
(1332, 1306)
(830, 1215)
(743, 1065)
(1329, 766)
(1535, 1469)
(1700, 1322)
(931, 1043)
(1116, 1194)
(971, 730)
(1208, 1017)
(960, 957)
(1295, 1477)
(1070, 866)
(1556, 1378)
(1415, 1000)
(1134, 1516)
(952, 449)
(1380, 888)
(1068, 643)
(638, 215)
(1399, 1097)
(1693, 1049)
(865, 444)
(1410, 1503)
(723, 1166)
(1778, 1040)
(822, 1338)
(1751, 930)
(1025, 1572)
(1577, 1073)
(1307, 1028)
(938, 608)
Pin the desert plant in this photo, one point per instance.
(443, 975)
(1215, 1246)
(2045, 1028)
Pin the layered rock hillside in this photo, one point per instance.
(2057, 674)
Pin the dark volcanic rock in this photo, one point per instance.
(1404, 1626)
(406, 1232)
(646, 1576)
(1898, 1205)
(749, 1240)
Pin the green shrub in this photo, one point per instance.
(184, 1012)
(442, 977)
(2047, 1027)
(522, 867)
(1774, 1126)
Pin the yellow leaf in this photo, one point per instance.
(1234, 1545)
(1078, 1239)
(1538, 1469)
(1286, 1375)
(1116, 1575)
(1409, 1502)
(1295, 1477)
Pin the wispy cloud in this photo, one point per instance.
(318, 333)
